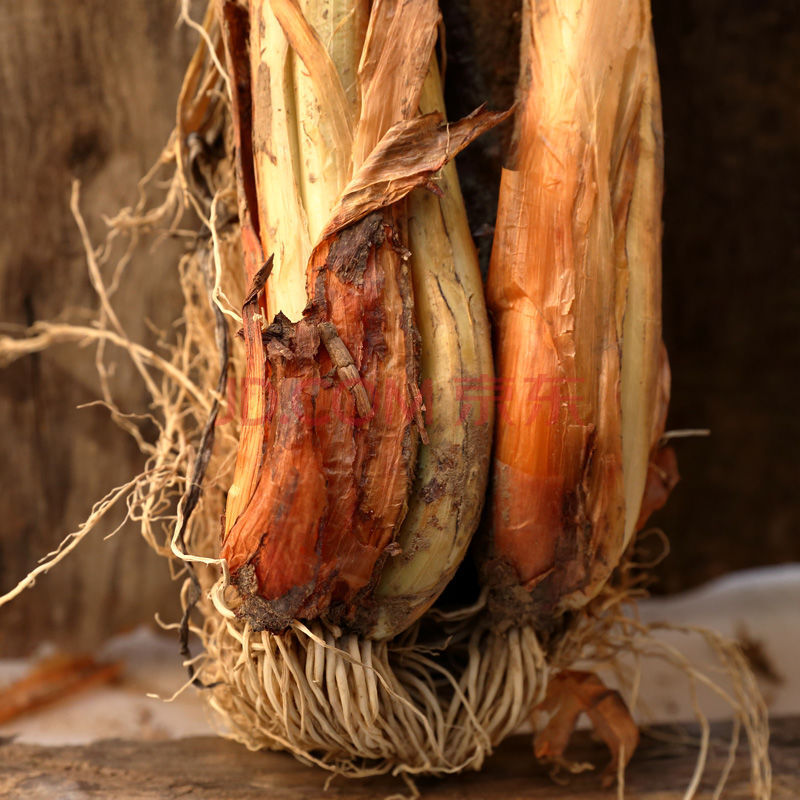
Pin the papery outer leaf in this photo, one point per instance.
(408, 155)
(283, 224)
(235, 25)
(394, 62)
(575, 286)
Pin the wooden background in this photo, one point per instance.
(87, 90)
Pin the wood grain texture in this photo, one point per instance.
(208, 769)
(88, 91)
(731, 103)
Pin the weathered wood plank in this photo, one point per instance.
(208, 768)
(88, 91)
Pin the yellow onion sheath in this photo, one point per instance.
(457, 379)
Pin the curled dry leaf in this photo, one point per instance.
(571, 693)
(409, 154)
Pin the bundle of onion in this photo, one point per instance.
(361, 469)
(575, 290)
(351, 477)
(348, 512)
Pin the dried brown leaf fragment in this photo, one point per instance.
(571, 693)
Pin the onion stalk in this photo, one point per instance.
(331, 323)
(575, 289)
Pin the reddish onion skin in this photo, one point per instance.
(278, 533)
(334, 477)
(369, 470)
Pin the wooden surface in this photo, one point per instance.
(88, 90)
(214, 769)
